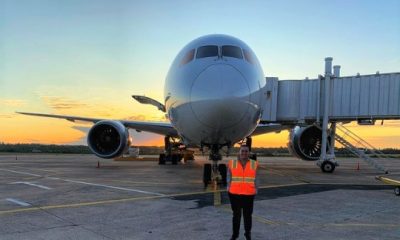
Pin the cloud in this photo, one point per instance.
(61, 103)
(139, 117)
(7, 115)
(68, 105)
(107, 111)
(12, 102)
(143, 118)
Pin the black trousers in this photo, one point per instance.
(241, 203)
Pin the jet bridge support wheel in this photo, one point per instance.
(397, 191)
(328, 167)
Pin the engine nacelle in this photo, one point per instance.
(306, 142)
(108, 139)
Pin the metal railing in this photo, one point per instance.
(342, 133)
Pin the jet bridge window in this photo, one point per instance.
(232, 51)
(207, 51)
(188, 57)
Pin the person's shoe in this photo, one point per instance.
(247, 236)
(233, 238)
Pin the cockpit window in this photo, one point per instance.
(207, 51)
(249, 56)
(188, 57)
(232, 51)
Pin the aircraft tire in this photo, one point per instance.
(397, 191)
(206, 174)
(222, 171)
(174, 159)
(161, 159)
(327, 167)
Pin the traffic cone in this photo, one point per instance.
(98, 164)
(358, 166)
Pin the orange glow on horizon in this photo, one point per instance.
(271, 140)
(44, 131)
(157, 141)
(17, 128)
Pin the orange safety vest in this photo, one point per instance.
(243, 180)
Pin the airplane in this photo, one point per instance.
(214, 94)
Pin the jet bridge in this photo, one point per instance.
(330, 99)
(360, 97)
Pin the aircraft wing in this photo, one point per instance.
(271, 127)
(162, 128)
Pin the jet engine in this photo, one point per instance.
(306, 142)
(108, 139)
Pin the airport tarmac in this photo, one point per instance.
(44, 196)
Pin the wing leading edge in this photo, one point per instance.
(161, 128)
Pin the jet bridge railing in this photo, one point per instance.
(359, 147)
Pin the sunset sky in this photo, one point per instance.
(86, 57)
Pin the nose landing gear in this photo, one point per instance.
(214, 173)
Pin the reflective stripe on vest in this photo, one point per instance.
(252, 164)
(243, 179)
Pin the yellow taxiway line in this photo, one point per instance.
(388, 180)
(72, 205)
(93, 203)
(83, 204)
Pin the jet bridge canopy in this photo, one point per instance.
(375, 96)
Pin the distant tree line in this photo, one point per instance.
(73, 149)
(155, 150)
(42, 148)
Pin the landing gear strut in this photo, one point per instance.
(214, 173)
(327, 161)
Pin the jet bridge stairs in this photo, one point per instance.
(359, 147)
(344, 136)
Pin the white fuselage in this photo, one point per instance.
(213, 91)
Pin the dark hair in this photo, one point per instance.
(243, 145)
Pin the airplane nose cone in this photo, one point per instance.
(220, 96)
